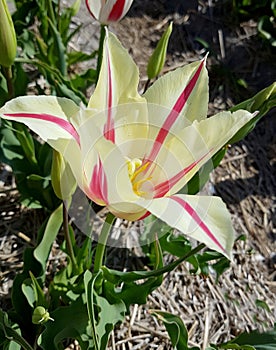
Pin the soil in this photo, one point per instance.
(240, 64)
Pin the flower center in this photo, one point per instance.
(135, 173)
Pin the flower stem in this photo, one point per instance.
(67, 237)
(8, 76)
(102, 241)
(100, 52)
(147, 85)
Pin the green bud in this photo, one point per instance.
(157, 59)
(8, 42)
(63, 181)
(41, 315)
(76, 7)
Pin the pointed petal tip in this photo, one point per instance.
(204, 59)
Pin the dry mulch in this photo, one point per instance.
(212, 311)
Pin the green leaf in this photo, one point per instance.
(237, 347)
(26, 141)
(70, 322)
(262, 102)
(11, 334)
(89, 282)
(84, 255)
(175, 328)
(83, 81)
(42, 251)
(262, 304)
(266, 27)
(131, 292)
(58, 51)
(117, 277)
(40, 298)
(28, 291)
(103, 315)
(259, 341)
(109, 315)
(79, 56)
(20, 81)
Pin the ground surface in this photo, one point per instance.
(212, 312)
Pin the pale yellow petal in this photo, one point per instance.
(119, 77)
(183, 155)
(203, 218)
(167, 90)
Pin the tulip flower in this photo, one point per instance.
(134, 153)
(107, 11)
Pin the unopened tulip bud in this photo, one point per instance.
(76, 7)
(107, 11)
(157, 59)
(8, 42)
(63, 181)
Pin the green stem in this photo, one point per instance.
(102, 241)
(146, 85)
(100, 51)
(67, 237)
(8, 76)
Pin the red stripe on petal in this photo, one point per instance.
(64, 124)
(187, 207)
(176, 110)
(109, 132)
(98, 185)
(164, 187)
(117, 11)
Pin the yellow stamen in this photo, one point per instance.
(139, 170)
(135, 168)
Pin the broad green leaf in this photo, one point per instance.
(42, 251)
(20, 304)
(108, 316)
(11, 334)
(131, 292)
(28, 290)
(253, 340)
(83, 81)
(70, 322)
(175, 328)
